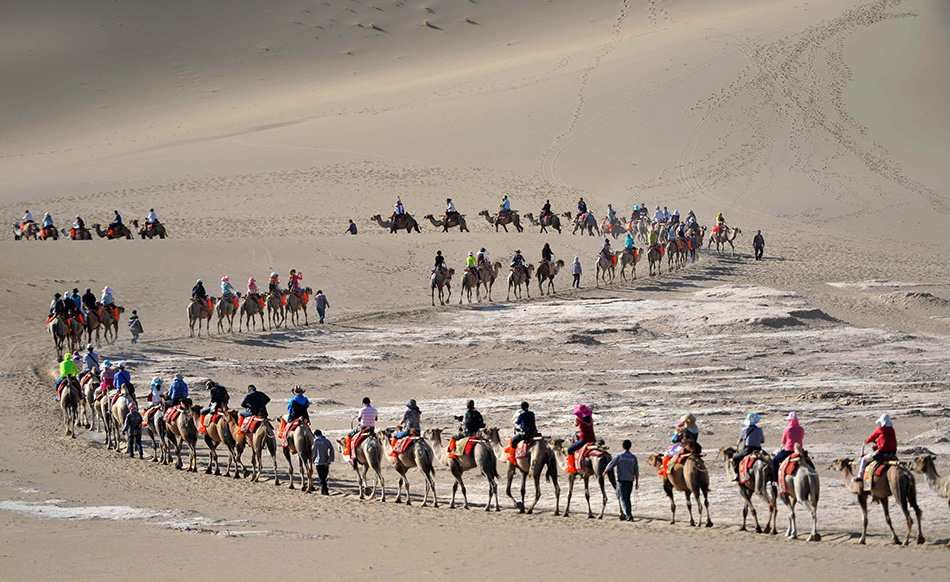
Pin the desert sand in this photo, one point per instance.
(257, 130)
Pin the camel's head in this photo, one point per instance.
(186, 402)
(840, 465)
(376, 217)
(429, 217)
(923, 463)
(566, 215)
(656, 461)
(483, 213)
(232, 416)
(387, 432)
(492, 433)
(726, 453)
(557, 445)
(434, 434)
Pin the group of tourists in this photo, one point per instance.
(294, 287)
(78, 230)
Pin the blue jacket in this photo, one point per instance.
(297, 408)
(178, 389)
(121, 377)
(525, 422)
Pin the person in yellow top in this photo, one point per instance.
(67, 369)
(471, 264)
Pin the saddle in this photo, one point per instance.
(588, 450)
(360, 437)
(172, 414)
(521, 451)
(400, 445)
(250, 424)
(463, 446)
(745, 465)
(149, 413)
(876, 469)
(286, 429)
(787, 467)
(206, 420)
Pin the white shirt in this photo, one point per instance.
(398, 207)
(47, 221)
(666, 214)
(367, 416)
(152, 217)
(451, 207)
(28, 217)
(156, 395)
(658, 216)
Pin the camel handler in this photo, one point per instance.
(885, 441)
(323, 455)
(526, 427)
(67, 369)
(758, 244)
(792, 435)
(752, 438)
(366, 419)
(628, 475)
(584, 420)
(576, 271)
(686, 430)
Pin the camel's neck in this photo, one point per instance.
(934, 481)
(489, 218)
(846, 475)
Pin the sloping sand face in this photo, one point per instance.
(257, 131)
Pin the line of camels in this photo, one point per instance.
(68, 333)
(281, 306)
(120, 231)
(540, 457)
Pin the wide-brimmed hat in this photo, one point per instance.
(751, 419)
(298, 390)
(582, 410)
(178, 376)
(688, 421)
(411, 403)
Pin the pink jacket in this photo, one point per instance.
(793, 434)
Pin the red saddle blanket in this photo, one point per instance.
(589, 450)
(876, 469)
(250, 424)
(745, 467)
(207, 420)
(521, 451)
(465, 446)
(149, 413)
(787, 467)
(286, 429)
(400, 445)
(172, 414)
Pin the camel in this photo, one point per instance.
(675, 256)
(198, 311)
(76, 330)
(119, 231)
(155, 426)
(439, 279)
(226, 309)
(802, 486)
(217, 432)
(59, 331)
(48, 232)
(263, 435)
(487, 275)
(615, 227)
(407, 222)
(469, 280)
(517, 278)
(251, 307)
(118, 412)
(30, 231)
(368, 455)
(605, 265)
(69, 403)
(640, 229)
(925, 464)
(87, 387)
(590, 466)
(695, 236)
(110, 321)
(691, 477)
(722, 238)
(150, 230)
(551, 220)
(76, 233)
(446, 223)
(184, 429)
(629, 257)
(103, 408)
(583, 221)
(482, 458)
(760, 483)
(93, 324)
(295, 303)
(540, 459)
(546, 273)
(418, 455)
(655, 257)
(503, 220)
(899, 482)
(275, 308)
(300, 443)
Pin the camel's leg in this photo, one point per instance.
(887, 518)
(537, 489)
(510, 479)
(193, 462)
(590, 513)
(813, 508)
(863, 502)
(455, 487)
(689, 508)
(603, 493)
(290, 465)
(570, 493)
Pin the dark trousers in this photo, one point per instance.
(577, 280)
(626, 489)
(758, 253)
(135, 438)
(777, 462)
(737, 458)
(323, 472)
(322, 313)
(518, 438)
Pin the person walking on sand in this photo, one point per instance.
(352, 227)
(628, 474)
(321, 301)
(322, 457)
(758, 243)
(135, 326)
(576, 271)
(133, 426)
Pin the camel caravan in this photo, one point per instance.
(27, 228)
(177, 427)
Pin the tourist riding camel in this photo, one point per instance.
(751, 438)
(686, 430)
(366, 422)
(885, 440)
(793, 435)
(411, 421)
(584, 421)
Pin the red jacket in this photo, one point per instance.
(886, 439)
